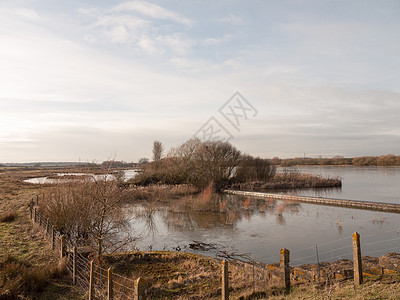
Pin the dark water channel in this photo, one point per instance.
(261, 228)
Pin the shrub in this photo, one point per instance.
(18, 279)
(8, 217)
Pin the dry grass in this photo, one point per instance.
(159, 192)
(26, 259)
(290, 181)
(387, 287)
(168, 275)
(9, 216)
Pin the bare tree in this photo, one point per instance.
(255, 168)
(216, 162)
(158, 150)
(90, 211)
(143, 161)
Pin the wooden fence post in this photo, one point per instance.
(358, 275)
(110, 294)
(91, 283)
(284, 264)
(139, 289)
(34, 215)
(62, 247)
(225, 280)
(74, 265)
(47, 227)
(52, 238)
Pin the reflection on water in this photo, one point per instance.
(262, 227)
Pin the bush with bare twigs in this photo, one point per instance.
(89, 212)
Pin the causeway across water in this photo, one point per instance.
(377, 206)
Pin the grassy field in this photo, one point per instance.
(29, 269)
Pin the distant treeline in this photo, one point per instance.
(383, 160)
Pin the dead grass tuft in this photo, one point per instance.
(7, 217)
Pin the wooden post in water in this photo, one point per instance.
(74, 265)
(91, 281)
(358, 275)
(284, 264)
(225, 280)
(110, 295)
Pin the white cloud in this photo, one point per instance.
(232, 19)
(152, 10)
(27, 13)
(217, 41)
(149, 46)
(176, 43)
(126, 24)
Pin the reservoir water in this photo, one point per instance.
(260, 228)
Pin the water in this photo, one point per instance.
(377, 184)
(260, 229)
(127, 174)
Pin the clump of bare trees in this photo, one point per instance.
(201, 163)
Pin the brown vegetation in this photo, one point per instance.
(90, 212)
(200, 163)
(8, 217)
(383, 160)
(293, 180)
(158, 192)
(20, 278)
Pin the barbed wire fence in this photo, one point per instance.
(93, 279)
(101, 283)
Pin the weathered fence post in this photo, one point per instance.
(34, 215)
(318, 267)
(62, 247)
(225, 280)
(284, 264)
(110, 295)
(52, 238)
(74, 265)
(139, 289)
(123, 287)
(254, 281)
(358, 275)
(91, 283)
(47, 227)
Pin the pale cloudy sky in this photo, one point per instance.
(92, 79)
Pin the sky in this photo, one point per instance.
(96, 80)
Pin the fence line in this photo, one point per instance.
(122, 287)
(107, 284)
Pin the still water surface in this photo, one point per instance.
(260, 229)
(378, 184)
